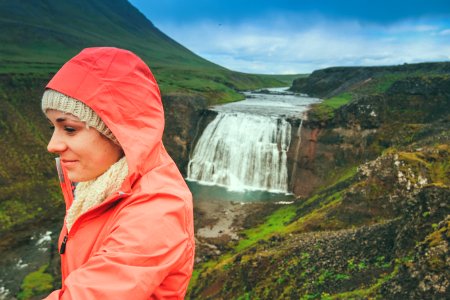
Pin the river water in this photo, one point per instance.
(276, 102)
(28, 255)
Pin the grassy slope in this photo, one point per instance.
(285, 244)
(39, 36)
(25, 171)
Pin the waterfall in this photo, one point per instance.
(243, 152)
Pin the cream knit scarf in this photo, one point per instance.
(90, 193)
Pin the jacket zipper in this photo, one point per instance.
(62, 249)
(67, 190)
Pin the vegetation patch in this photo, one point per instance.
(38, 283)
(325, 110)
(276, 222)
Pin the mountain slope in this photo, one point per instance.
(51, 31)
(39, 36)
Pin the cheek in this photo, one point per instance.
(107, 153)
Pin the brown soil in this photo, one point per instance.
(217, 223)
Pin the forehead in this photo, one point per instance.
(59, 116)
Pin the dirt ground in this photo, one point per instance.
(218, 222)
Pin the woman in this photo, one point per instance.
(128, 230)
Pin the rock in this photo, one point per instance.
(182, 114)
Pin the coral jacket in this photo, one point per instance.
(138, 243)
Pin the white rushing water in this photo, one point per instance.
(245, 146)
(243, 151)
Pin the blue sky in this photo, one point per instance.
(283, 37)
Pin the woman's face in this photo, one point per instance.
(84, 152)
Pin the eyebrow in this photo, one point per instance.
(62, 119)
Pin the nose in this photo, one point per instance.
(56, 144)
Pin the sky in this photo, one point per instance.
(300, 36)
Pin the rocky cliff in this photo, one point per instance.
(358, 131)
(183, 114)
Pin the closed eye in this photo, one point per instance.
(69, 129)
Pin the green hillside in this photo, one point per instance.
(39, 36)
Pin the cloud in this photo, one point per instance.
(301, 44)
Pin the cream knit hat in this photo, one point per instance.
(57, 101)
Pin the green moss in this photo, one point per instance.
(381, 83)
(413, 157)
(435, 238)
(320, 112)
(276, 222)
(338, 101)
(246, 296)
(318, 218)
(369, 292)
(440, 166)
(325, 110)
(37, 283)
(432, 162)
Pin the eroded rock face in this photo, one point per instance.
(360, 130)
(182, 115)
(323, 151)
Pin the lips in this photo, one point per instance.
(68, 162)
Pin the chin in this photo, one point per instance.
(77, 177)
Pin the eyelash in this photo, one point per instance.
(66, 128)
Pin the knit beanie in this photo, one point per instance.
(57, 101)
